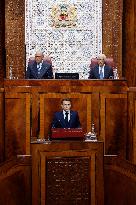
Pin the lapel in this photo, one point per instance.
(34, 70)
(62, 121)
(97, 72)
(105, 71)
(71, 117)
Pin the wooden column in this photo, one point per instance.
(129, 41)
(2, 41)
(15, 38)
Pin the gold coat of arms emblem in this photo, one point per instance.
(64, 15)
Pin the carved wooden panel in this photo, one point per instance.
(65, 173)
(15, 38)
(68, 180)
(112, 31)
(17, 124)
(113, 117)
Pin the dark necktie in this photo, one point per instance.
(66, 118)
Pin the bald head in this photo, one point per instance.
(39, 57)
(101, 59)
(101, 56)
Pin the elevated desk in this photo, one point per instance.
(103, 102)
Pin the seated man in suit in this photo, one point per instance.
(39, 69)
(66, 118)
(101, 71)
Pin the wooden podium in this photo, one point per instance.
(67, 173)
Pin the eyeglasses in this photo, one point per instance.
(100, 59)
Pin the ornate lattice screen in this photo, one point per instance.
(70, 31)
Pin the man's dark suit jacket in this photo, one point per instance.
(59, 122)
(94, 72)
(45, 72)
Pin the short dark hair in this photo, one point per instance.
(65, 99)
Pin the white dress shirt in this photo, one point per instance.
(64, 114)
(101, 68)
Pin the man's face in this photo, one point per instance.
(66, 105)
(38, 57)
(100, 62)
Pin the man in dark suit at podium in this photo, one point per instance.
(39, 69)
(101, 71)
(66, 118)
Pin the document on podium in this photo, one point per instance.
(67, 133)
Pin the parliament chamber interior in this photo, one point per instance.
(91, 162)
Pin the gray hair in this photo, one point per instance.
(39, 53)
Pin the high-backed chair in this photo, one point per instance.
(45, 59)
(108, 61)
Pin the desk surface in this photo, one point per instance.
(63, 86)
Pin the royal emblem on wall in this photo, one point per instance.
(64, 15)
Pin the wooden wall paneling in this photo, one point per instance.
(50, 103)
(28, 124)
(95, 111)
(35, 111)
(43, 174)
(15, 38)
(93, 178)
(15, 181)
(119, 181)
(1, 125)
(129, 41)
(131, 139)
(2, 42)
(112, 31)
(89, 113)
(43, 155)
(113, 121)
(134, 133)
(17, 124)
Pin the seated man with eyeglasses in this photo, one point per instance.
(101, 71)
(39, 69)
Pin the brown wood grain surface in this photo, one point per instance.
(65, 152)
(30, 107)
(15, 181)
